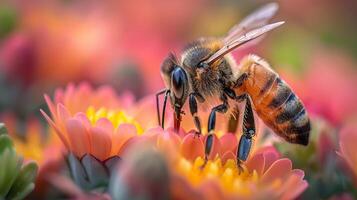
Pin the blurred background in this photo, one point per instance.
(47, 44)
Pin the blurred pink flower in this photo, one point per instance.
(328, 88)
(348, 148)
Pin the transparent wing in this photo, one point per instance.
(258, 18)
(242, 39)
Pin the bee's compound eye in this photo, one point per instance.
(178, 82)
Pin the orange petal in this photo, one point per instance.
(211, 190)
(228, 155)
(78, 137)
(54, 126)
(229, 142)
(192, 147)
(279, 169)
(105, 124)
(123, 133)
(169, 143)
(51, 106)
(84, 119)
(257, 163)
(63, 114)
(101, 143)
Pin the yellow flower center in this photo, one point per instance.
(228, 175)
(116, 117)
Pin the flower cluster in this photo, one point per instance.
(96, 122)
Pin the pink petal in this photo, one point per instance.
(78, 137)
(54, 126)
(279, 169)
(348, 136)
(293, 187)
(132, 142)
(123, 133)
(154, 131)
(192, 147)
(63, 113)
(101, 143)
(84, 119)
(299, 173)
(270, 155)
(256, 162)
(51, 106)
(228, 142)
(169, 143)
(105, 124)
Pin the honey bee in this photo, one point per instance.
(206, 70)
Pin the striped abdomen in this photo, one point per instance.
(275, 103)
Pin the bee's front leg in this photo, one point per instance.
(249, 131)
(193, 110)
(166, 92)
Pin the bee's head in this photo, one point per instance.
(176, 80)
(179, 92)
(179, 87)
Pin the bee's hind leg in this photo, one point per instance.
(211, 126)
(193, 110)
(247, 138)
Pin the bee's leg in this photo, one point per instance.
(158, 104)
(164, 109)
(249, 131)
(193, 110)
(212, 123)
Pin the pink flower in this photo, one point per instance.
(348, 148)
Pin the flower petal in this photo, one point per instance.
(257, 163)
(279, 169)
(78, 137)
(348, 136)
(101, 143)
(123, 133)
(105, 124)
(192, 147)
(228, 142)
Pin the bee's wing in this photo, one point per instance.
(258, 18)
(246, 37)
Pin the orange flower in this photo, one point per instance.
(99, 123)
(86, 119)
(263, 174)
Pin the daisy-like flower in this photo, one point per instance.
(98, 123)
(91, 121)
